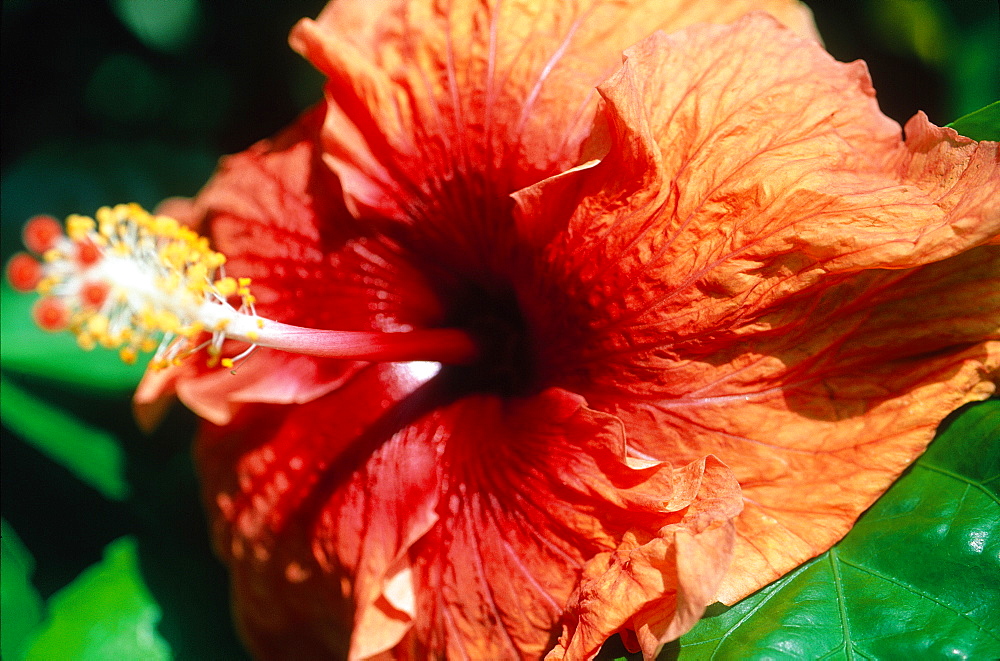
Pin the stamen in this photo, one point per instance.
(132, 281)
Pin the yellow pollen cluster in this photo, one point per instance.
(137, 282)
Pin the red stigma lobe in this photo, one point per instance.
(93, 294)
(24, 272)
(87, 254)
(51, 314)
(41, 233)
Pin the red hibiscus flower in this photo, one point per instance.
(682, 317)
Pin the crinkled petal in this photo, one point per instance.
(818, 416)
(652, 589)
(459, 529)
(769, 273)
(438, 111)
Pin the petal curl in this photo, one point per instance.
(766, 271)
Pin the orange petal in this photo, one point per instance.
(447, 108)
(819, 415)
(653, 588)
(772, 275)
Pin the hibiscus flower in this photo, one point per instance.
(613, 338)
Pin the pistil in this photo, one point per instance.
(135, 282)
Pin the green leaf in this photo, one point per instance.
(983, 124)
(106, 613)
(915, 578)
(19, 600)
(91, 454)
(27, 349)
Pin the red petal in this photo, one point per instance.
(277, 214)
(466, 532)
(266, 476)
(440, 111)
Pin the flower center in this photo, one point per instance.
(506, 363)
(132, 281)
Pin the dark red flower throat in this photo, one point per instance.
(506, 364)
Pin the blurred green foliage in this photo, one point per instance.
(105, 613)
(19, 600)
(108, 101)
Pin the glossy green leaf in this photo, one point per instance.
(106, 613)
(91, 454)
(917, 577)
(983, 124)
(20, 602)
(27, 349)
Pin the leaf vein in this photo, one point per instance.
(920, 593)
(838, 583)
(960, 478)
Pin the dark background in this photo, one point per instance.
(134, 100)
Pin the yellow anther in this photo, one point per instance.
(45, 285)
(220, 325)
(227, 363)
(77, 227)
(253, 336)
(244, 282)
(226, 287)
(249, 299)
(85, 341)
(260, 324)
(167, 322)
(165, 226)
(170, 284)
(128, 355)
(192, 330)
(137, 214)
(97, 325)
(148, 344)
(52, 255)
(197, 271)
(122, 249)
(145, 319)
